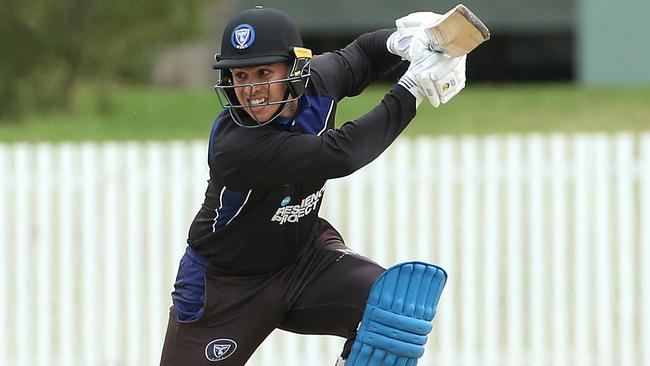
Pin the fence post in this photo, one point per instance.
(469, 186)
(537, 245)
(4, 257)
(644, 243)
(559, 218)
(491, 258)
(514, 244)
(581, 238)
(44, 243)
(89, 241)
(445, 213)
(23, 270)
(154, 249)
(625, 229)
(134, 242)
(402, 241)
(602, 240)
(424, 172)
(111, 253)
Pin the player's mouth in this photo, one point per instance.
(258, 104)
(259, 108)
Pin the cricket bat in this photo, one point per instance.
(458, 32)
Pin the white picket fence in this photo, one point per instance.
(546, 240)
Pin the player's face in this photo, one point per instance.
(263, 93)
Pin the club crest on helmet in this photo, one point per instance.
(243, 36)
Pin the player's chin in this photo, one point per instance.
(260, 114)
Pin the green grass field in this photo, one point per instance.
(144, 113)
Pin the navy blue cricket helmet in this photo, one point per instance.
(260, 36)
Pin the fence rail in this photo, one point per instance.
(546, 239)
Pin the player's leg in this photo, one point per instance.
(397, 318)
(330, 295)
(231, 344)
(219, 318)
(396, 305)
(333, 302)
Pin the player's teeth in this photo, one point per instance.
(257, 101)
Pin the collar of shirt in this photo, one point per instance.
(286, 122)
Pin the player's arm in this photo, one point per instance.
(274, 158)
(347, 72)
(271, 157)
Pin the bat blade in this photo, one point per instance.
(458, 32)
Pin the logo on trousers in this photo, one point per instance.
(220, 349)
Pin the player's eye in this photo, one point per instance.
(265, 72)
(240, 76)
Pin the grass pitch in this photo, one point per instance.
(159, 114)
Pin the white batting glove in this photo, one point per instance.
(398, 43)
(423, 42)
(438, 77)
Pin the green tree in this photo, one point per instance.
(48, 46)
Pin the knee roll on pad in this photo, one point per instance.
(398, 315)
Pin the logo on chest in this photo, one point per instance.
(292, 213)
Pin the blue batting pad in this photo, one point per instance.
(398, 315)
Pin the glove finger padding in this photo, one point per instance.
(409, 24)
(443, 79)
(421, 44)
(399, 42)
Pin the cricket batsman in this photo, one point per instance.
(259, 257)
